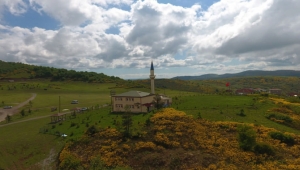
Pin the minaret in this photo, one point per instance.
(152, 77)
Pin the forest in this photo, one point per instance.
(11, 70)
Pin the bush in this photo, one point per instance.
(22, 112)
(265, 94)
(287, 139)
(263, 148)
(199, 115)
(72, 124)
(246, 137)
(91, 130)
(282, 117)
(293, 99)
(242, 113)
(69, 161)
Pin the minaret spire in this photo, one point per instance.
(152, 68)
(152, 77)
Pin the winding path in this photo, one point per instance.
(14, 110)
(34, 118)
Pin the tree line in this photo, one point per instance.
(20, 70)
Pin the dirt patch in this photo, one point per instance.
(47, 162)
(14, 110)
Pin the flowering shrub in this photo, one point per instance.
(287, 139)
(68, 160)
(174, 140)
(145, 146)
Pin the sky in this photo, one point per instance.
(181, 37)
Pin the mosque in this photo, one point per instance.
(138, 101)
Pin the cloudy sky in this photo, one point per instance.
(182, 37)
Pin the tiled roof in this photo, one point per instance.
(133, 94)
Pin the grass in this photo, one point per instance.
(12, 98)
(23, 146)
(227, 108)
(87, 95)
(74, 127)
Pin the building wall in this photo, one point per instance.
(119, 103)
(275, 91)
(167, 101)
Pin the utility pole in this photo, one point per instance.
(112, 92)
(59, 104)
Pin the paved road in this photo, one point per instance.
(14, 110)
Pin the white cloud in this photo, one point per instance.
(261, 34)
(71, 12)
(106, 3)
(82, 12)
(163, 28)
(15, 7)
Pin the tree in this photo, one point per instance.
(199, 115)
(8, 118)
(22, 112)
(92, 130)
(30, 103)
(127, 121)
(157, 101)
(246, 137)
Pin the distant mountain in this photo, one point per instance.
(250, 73)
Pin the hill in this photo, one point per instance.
(209, 83)
(166, 140)
(250, 73)
(173, 140)
(11, 70)
(211, 86)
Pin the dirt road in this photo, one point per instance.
(14, 110)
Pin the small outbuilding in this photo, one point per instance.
(58, 117)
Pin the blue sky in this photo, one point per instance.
(181, 37)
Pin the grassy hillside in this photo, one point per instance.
(23, 146)
(11, 70)
(35, 143)
(201, 131)
(287, 84)
(174, 140)
(249, 73)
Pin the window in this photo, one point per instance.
(130, 106)
(118, 98)
(119, 105)
(129, 99)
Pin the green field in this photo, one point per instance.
(34, 144)
(227, 108)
